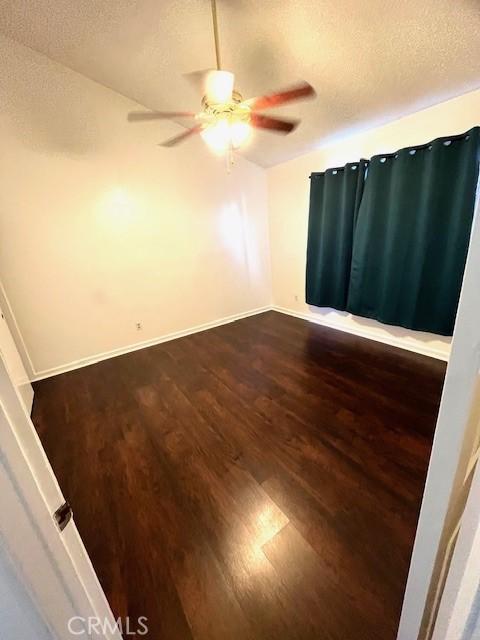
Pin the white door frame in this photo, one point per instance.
(452, 447)
(12, 359)
(53, 566)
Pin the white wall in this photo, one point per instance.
(289, 186)
(100, 228)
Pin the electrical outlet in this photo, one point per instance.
(296, 297)
(138, 326)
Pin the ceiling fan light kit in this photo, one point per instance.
(226, 119)
(226, 122)
(219, 86)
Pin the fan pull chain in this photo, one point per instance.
(229, 159)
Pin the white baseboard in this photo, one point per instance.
(359, 331)
(84, 362)
(364, 332)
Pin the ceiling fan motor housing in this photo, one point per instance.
(235, 110)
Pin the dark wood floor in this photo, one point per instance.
(260, 480)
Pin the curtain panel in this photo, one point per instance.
(412, 234)
(335, 197)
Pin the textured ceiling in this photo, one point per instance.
(369, 60)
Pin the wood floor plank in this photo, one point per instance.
(256, 481)
(311, 586)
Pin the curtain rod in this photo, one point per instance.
(426, 145)
(348, 164)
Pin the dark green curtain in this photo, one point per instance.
(412, 234)
(335, 196)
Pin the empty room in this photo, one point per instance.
(240, 329)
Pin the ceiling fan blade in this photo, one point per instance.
(273, 124)
(171, 142)
(303, 90)
(140, 116)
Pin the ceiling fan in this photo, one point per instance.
(226, 119)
